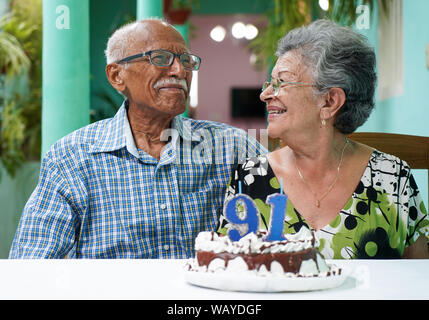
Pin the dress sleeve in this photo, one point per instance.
(418, 219)
(48, 222)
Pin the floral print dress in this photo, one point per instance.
(384, 215)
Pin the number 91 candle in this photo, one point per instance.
(242, 210)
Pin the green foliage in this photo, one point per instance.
(286, 15)
(344, 11)
(283, 17)
(20, 83)
(13, 59)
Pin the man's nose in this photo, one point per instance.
(177, 68)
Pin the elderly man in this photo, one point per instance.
(144, 183)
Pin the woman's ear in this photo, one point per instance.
(335, 99)
(114, 75)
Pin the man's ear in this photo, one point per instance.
(114, 75)
(335, 99)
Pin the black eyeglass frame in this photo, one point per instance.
(149, 54)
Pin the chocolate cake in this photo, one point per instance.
(296, 256)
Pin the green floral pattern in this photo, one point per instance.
(384, 215)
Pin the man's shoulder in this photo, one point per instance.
(80, 140)
(212, 126)
(231, 138)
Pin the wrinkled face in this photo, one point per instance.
(295, 108)
(162, 89)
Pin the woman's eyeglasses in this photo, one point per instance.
(277, 84)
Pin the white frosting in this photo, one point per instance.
(263, 271)
(321, 263)
(216, 265)
(308, 268)
(253, 244)
(237, 265)
(276, 268)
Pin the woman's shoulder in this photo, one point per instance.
(388, 162)
(253, 169)
(256, 163)
(388, 172)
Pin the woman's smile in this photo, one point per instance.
(275, 112)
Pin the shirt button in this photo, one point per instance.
(163, 206)
(166, 247)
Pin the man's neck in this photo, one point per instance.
(147, 128)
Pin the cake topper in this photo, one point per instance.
(249, 215)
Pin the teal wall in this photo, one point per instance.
(409, 112)
(14, 193)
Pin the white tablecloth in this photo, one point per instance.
(164, 280)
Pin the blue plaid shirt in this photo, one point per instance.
(99, 196)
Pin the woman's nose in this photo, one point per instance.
(267, 94)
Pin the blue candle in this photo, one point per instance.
(278, 204)
(251, 215)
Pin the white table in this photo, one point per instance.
(164, 280)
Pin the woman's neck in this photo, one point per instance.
(315, 154)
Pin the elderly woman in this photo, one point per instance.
(361, 203)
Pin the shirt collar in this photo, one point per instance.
(112, 136)
(183, 127)
(117, 133)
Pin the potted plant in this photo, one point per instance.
(178, 11)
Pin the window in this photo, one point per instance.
(390, 59)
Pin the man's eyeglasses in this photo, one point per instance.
(165, 58)
(277, 84)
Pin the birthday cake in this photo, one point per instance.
(296, 256)
(249, 259)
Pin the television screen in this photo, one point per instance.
(245, 103)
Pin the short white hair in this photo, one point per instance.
(121, 40)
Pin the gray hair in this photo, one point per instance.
(121, 40)
(337, 57)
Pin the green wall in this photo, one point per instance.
(14, 193)
(408, 113)
(232, 7)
